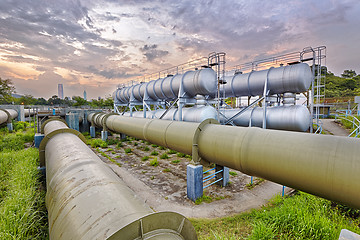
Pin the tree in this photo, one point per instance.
(79, 101)
(54, 100)
(6, 89)
(25, 100)
(41, 101)
(348, 74)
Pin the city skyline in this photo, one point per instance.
(99, 44)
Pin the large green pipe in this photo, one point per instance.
(87, 200)
(326, 166)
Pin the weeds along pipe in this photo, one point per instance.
(326, 166)
(87, 200)
(6, 115)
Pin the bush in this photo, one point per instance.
(154, 162)
(164, 156)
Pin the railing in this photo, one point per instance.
(355, 124)
(211, 176)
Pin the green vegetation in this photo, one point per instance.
(167, 170)
(15, 141)
(347, 122)
(22, 206)
(162, 148)
(154, 153)
(172, 151)
(181, 154)
(146, 149)
(119, 145)
(135, 143)
(154, 145)
(154, 162)
(110, 141)
(347, 85)
(108, 157)
(204, 198)
(164, 156)
(233, 173)
(175, 161)
(128, 150)
(97, 143)
(302, 216)
(145, 158)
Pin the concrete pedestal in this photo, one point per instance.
(104, 135)
(92, 131)
(72, 119)
(224, 174)
(10, 127)
(194, 179)
(38, 138)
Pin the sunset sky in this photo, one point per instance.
(94, 45)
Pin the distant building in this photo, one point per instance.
(85, 95)
(60, 91)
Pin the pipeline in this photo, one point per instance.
(326, 166)
(6, 115)
(87, 200)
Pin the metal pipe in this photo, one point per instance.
(87, 200)
(326, 166)
(6, 115)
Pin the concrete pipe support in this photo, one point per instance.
(87, 200)
(326, 166)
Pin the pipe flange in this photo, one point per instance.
(195, 148)
(52, 118)
(93, 119)
(52, 134)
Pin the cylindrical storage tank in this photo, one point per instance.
(292, 78)
(87, 200)
(201, 82)
(291, 118)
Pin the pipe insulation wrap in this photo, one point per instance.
(326, 166)
(87, 200)
(292, 78)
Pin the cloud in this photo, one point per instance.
(151, 52)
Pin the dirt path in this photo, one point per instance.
(163, 187)
(334, 128)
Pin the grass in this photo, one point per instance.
(233, 173)
(172, 151)
(97, 143)
(154, 162)
(146, 149)
(162, 148)
(167, 170)
(145, 158)
(128, 150)
(108, 157)
(164, 156)
(302, 216)
(154, 145)
(22, 207)
(175, 161)
(204, 198)
(181, 154)
(154, 153)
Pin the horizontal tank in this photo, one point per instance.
(292, 118)
(193, 114)
(292, 78)
(201, 81)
